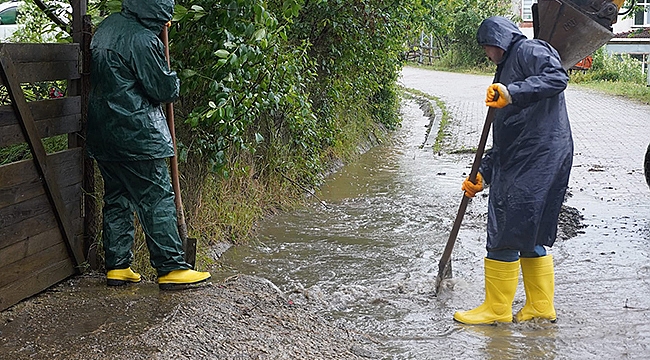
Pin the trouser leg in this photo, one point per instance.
(514, 255)
(157, 213)
(117, 214)
(149, 190)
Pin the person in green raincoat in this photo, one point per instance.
(129, 138)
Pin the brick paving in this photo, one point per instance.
(610, 133)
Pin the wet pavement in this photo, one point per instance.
(602, 275)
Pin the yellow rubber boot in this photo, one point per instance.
(118, 277)
(539, 283)
(501, 280)
(180, 279)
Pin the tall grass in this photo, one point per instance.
(616, 74)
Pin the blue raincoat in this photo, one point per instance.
(530, 160)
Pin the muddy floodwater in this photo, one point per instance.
(367, 248)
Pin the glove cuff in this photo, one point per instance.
(503, 91)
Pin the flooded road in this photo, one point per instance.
(367, 248)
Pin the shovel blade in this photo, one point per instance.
(569, 30)
(443, 274)
(189, 246)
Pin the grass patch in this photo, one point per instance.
(629, 90)
(18, 152)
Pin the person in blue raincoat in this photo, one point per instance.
(129, 138)
(527, 169)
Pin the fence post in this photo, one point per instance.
(420, 46)
(430, 49)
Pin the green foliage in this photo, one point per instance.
(612, 67)
(36, 27)
(271, 90)
(616, 74)
(356, 47)
(286, 77)
(455, 25)
(236, 69)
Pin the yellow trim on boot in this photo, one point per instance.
(501, 279)
(177, 278)
(117, 277)
(539, 283)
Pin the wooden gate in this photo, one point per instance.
(41, 199)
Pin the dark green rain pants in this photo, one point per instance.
(142, 187)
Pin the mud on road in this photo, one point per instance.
(241, 317)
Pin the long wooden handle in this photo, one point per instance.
(446, 255)
(173, 162)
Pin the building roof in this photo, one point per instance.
(640, 33)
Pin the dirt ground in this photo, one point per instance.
(241, 317)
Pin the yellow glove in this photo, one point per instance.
(470, 188)
(501, 93)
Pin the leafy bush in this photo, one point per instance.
(612, 67)
(38, 28)
(458, 21)
(284, 73)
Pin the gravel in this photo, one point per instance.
(240, 317)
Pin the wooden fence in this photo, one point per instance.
(423, 51)
(41, 199)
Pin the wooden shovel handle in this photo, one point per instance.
(446, 255)
(173, 161)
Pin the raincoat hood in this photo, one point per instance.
(498, 31)
(152, 14)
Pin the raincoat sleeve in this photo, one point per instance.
(544, 76)
(159, 83)
(486, 167)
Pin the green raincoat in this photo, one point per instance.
(128, 133)
(130, 79)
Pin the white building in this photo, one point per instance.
(623, 24)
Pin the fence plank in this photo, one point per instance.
(31, 245)
(31, 190)
(43, 110)
(42, 278)
(53, 117)
(11, 135)
(44, 62)
(12, 217)
(66, 167)
(22, 53)
(48, 71)
(32, 227)
(16, 271)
